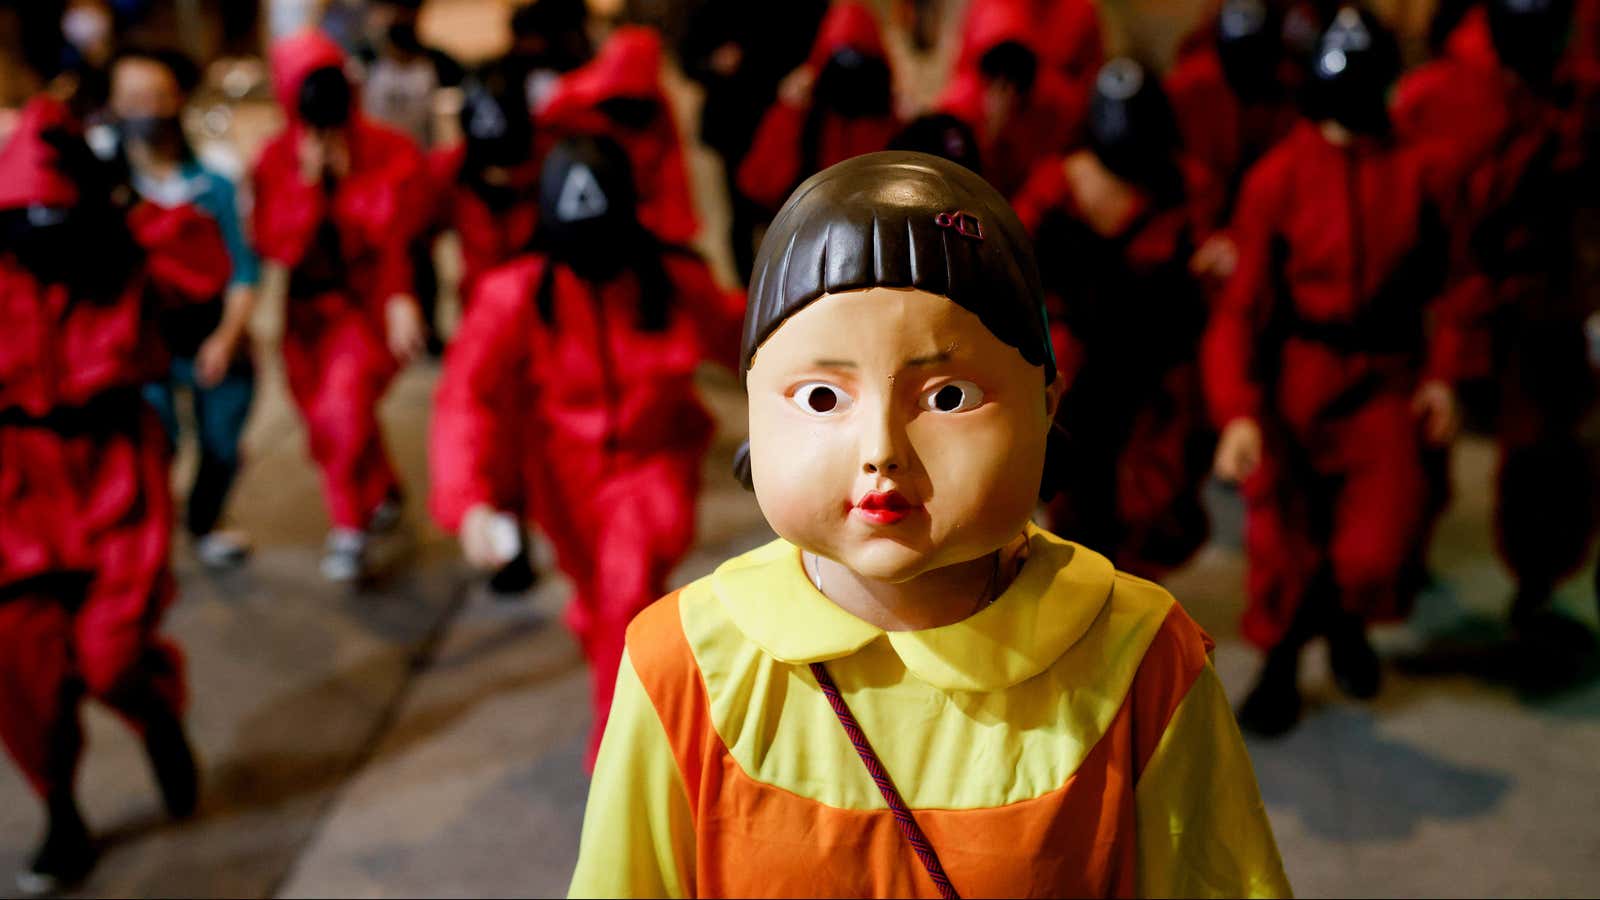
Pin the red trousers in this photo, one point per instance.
(85, 525)
(620, 524)
(339, 367)
(1347, 502)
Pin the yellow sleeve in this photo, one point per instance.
(1202, 829)
(638, 831)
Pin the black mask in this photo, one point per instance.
(1011, 62)
(402, 36)
(497, 127)
(164, 133)
(944, 135)
(1248, 46)
(1131, 128)
(632, 113)
(854, 85)
(1356, 61)
(50, 243)
(1529, 35)
(588, 207)
(325, 99)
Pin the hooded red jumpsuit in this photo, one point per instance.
(85, 504)
(1319, 338)
(1503, 146)
(1147, 452)
(334, 347)
(776, 162)
(1048, 122)
(628, 68)
(621, 433)
(489, 237)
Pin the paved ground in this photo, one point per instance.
(415, 737)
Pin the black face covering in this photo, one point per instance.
(1248, 46)
(1011, 62)
(1131, 128)
(402, 36)
(942, 135)
(325, 99)
(632, 113)
(1529, 35)
(588, 207)
(162, 133)
(853, 85)
(44, 240)
(1355, 63)
(497, 128)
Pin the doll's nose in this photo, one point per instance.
(883, 446)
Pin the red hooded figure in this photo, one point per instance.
(1502, 114)
(1326, 374)
(1115, 225)
(85, 508)
(1021, 108)
(590, 345)
(849, 110)
(340, 226)
(618, 94)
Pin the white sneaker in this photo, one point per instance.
(344, 555)
(222, 549)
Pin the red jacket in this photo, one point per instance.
(1049, 122)
(376, 209)
(628, 66)
(488, 237)
(591, 381)
(1219, 132)
(1355, 236)
(775, 163)
(1068, 38)
(63, 351)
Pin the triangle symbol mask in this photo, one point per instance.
(581, 197)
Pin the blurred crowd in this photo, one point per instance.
(1289, 260)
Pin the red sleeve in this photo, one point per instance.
(1045, 189)
(186, 258)
(675, 218)
(484, 396)
(770, 168)
(716, 312)
(1227, 351)
(1459, 345)
(386, 204)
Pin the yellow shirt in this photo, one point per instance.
(1069, 739)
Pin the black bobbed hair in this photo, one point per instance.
(900, 219)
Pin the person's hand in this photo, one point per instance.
(726, 59)
(795, 88)
(1435, 404)
(406, 333)
(489, 538)
(1216, 258)
(1238, 451)
(214, 357)
(323, 153)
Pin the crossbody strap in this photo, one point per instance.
(869, 758)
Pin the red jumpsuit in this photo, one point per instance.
(345, 247)
(1133, 486)
(1515, 158)
(489, 237)
(1319, 337)
(621, 433)
(627, 68)
(1047, 123)
(85, 505)
(1068, 37)
(778, 159)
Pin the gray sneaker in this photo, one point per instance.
(222, 549)
(344, 555)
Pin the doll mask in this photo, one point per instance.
(900, 379)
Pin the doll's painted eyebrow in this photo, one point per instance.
(931, 359)
(834, 364)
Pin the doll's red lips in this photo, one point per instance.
(884, 507)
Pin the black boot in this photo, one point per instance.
(516, 577)
(67, 854)
(1273, 705)
(1355, 664)
(172, 761)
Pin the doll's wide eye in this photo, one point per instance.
(956, 396)
(822, 399)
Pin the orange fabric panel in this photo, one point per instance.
(753, 839)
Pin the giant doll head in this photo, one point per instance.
(898, 363)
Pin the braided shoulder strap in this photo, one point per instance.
(869, 758)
